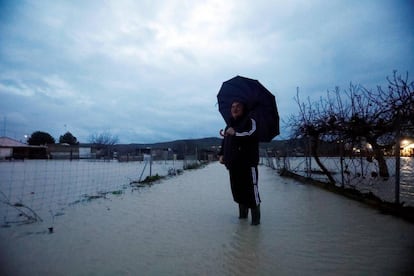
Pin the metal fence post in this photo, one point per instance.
(397, 164)
(341, 150)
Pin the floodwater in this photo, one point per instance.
(49, 186)
(188, 225)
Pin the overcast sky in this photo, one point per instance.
(149, 71)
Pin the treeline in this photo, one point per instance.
(38, 138)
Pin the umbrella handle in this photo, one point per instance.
(222, 132)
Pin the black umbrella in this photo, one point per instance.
(261, 104)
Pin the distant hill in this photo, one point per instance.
(211, 145)
(190, 146)
(180, 147)
(203, 143)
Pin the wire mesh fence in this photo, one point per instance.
(357, 172)
(36, 190)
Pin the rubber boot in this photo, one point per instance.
(255, 215)
(243, 211)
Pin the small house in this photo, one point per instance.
(11, 149)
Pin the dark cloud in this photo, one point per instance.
(150, 70)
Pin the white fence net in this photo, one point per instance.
(359, 173)
(40, 189)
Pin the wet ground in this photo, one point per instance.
(188, 225)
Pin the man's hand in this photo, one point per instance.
(230, 131)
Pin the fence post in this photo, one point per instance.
(341, 152)
(397, 164)
(309, 159)
(150, 162)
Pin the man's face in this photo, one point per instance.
(237, 110)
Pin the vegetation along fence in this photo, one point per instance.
(358, 139)
(390, 179)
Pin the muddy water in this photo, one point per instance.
(188, 225)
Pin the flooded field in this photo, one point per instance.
(47, 187)
(188, 225)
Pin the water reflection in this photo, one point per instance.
(242, 254)
(407, 176)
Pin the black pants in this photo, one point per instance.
(243, 181)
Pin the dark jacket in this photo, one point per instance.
(242, 149)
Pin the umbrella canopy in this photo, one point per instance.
(261, 104)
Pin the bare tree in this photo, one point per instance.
(104, 139)
(103, 142)
(397, 102)
(313, 122)
(378, 114)
(358, 116)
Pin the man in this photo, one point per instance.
(240, 154)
